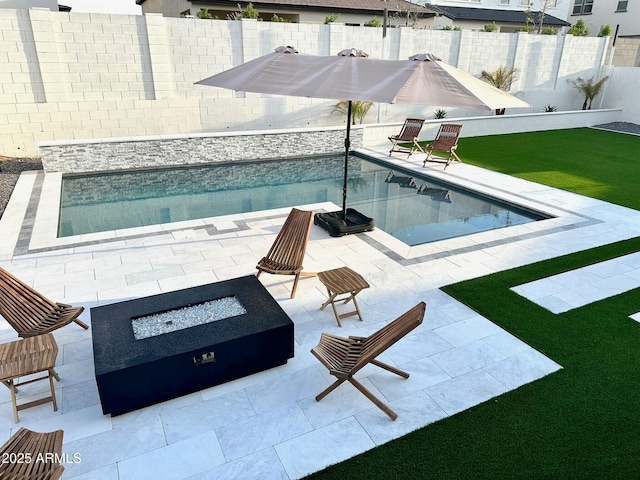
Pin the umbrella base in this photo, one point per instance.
(336, 226)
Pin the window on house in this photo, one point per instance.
(524, 3)
(504, 2)
(622, 6)
(582, 7)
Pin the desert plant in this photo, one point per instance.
(550, 108)
(502, 78)
(204, 14)
(359, 109)
(249, 12)
(579, 29)
(374, 22)
(605, 31)
(278, 19)
(439, 113)
(332, 17)
(589, 88)
(449, 27)
(490, 27)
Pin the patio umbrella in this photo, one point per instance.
(352, 75)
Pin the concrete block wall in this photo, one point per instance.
(82, 76)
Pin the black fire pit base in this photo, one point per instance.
(132, 373)
(337, 226)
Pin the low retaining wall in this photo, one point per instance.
(500, 124)
(111, 154)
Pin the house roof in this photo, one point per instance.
(498, 16)
(338, 5)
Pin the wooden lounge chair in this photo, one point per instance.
(446, 141)
(344, 357)
(287, 252)
(31, 313)
(408, 134)
(32, 456)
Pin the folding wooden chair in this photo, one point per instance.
(287, 252)
(344, 357)
(32, 456)
(446, 141)
(408, 134)
(30, 313)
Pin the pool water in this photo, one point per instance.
(413, 209)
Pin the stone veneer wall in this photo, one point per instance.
(150, 152)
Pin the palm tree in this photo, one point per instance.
(589, 89)
(359, 109)
(502, 78)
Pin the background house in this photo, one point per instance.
(596, 13)
(352, 12)
(507, 21)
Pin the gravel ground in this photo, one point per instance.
(10, 168)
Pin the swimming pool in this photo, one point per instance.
(412, 208)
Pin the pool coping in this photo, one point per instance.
(38, 232)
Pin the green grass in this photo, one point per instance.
(581, 422)
(596, 163)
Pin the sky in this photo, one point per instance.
(126, 7)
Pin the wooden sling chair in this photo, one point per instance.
(408, 134)
(36, 456)
(344, 357)
(446, 141)
(31, 313)
(287, 252)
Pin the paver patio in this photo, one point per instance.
(269, 425)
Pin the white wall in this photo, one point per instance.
(78, 76)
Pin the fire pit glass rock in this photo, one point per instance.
(186, 317)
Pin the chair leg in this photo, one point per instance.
(389, 368)
(330, 389)
(14, 401)
(295, 285)
(393, 415)
(53, 390)
(81, 323)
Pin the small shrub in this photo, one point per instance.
(374, 22)
(550, 108)
(278, 19)
(449, 27)
(490, 27)
(332, 17)
(579, 29)
(249, 12)
(549, 31)
(204, 14)
(439, 113)
(605, 31)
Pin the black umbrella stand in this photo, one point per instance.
(348, 220)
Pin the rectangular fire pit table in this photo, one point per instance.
(133, 373)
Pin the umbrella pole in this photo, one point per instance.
(347, 146)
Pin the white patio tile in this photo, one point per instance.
(174, 462)
(269, 425)
(322, 447)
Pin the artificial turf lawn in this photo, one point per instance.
(580, 422)
(596, 163)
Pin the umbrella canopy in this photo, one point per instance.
(352, 75)
(423, 79)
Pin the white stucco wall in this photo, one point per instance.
(78, 76)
